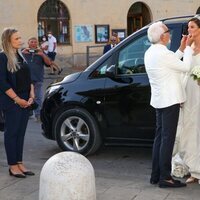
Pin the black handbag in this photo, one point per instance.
(2, 121)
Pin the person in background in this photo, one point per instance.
(52, 50)
(111, 44)
(117, 37)
(44, 46)
(16, 96)
(165, 69)
(36, 60)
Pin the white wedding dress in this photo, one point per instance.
(187, 145)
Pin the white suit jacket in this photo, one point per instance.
(165, 71)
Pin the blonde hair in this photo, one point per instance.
(12, 64)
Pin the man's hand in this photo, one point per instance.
(183, 43)
(186, 40)
(26, 50)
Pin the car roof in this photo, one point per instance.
(178, 19)
(174, 20)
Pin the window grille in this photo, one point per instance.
(54, 16)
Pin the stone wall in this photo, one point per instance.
(22, 14)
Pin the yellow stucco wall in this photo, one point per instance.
(22, 14)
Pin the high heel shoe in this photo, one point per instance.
(22, 175)
(191, 180)
(28, 173)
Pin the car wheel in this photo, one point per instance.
(76, 130)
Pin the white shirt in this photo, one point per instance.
(165, 71)
(51, 42)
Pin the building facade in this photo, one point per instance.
(81, 23)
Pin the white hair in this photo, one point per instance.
(197, 16)
(154, 32)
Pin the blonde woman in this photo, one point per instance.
(16, 96)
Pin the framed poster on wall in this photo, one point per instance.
(102, 33)
(121, 33)
(83, 33)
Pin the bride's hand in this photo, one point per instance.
(189, 40)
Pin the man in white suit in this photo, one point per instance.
(165, 70)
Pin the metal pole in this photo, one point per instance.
(87, 54)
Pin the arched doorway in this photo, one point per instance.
(198, 11)
(138, 16)
(53, 15)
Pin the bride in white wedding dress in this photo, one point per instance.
(188, 131)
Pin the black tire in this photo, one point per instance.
(76, 130)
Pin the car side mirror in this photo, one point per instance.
(111, 71)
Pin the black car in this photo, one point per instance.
(107, 103)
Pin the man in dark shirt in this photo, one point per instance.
(36, 60)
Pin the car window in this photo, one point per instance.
(101, 70)
(131, 58)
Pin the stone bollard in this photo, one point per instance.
(67, 176)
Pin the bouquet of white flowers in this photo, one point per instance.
(195, 73)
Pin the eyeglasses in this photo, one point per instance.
(167, 31)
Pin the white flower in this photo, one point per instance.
(179, 168)
(196, 72)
